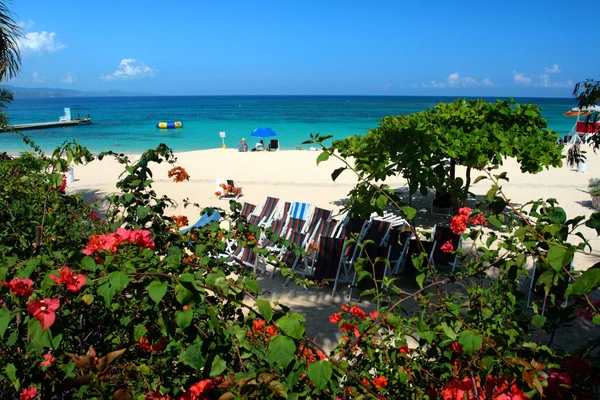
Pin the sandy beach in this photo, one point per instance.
(294, 176)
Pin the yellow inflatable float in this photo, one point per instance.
(169, 125)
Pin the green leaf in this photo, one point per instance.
(324, 156)
(184, 318)
(42, 337)
(558, 257)
(420, 278)
(11, 371)
(193, 356)
(5, 318)
(494, 221)
(393, 320)
(448, 331)
(596, 319)
(337, 172)
(558, 216)
(587, 282)
(118, 280)
(293, 325)
(470, 342)
(157, 290)
(182, 295)
(409, 212)
(381, 202)
(265, 310)
(594, 222)
(107, 292)
(538, 320)
(218, 366)
(281, 350)
(88, 263)
(319, 372)
(142, 212)
(138, 332)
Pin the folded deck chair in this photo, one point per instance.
(443, 234)
(247, 209)
(273, 145)
(399, 242)
(267, 210)
(558, 290)
(317, 215)
(358, 228)
(222, 184)
(205, 219)
(290, 256)
(299, 210)
(374, 245)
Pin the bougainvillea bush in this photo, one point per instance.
(121, 304)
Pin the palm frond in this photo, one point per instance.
(10, 55)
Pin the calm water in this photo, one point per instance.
(127, 124)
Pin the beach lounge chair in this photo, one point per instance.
(317, 215)
(247, 209)
(442, 234)
(299, 210)
(283, 212)
(558, 290)
(399, 242)
(205, 219)
(224, 185)
(344, 273)
(267, 211)
(273, 145)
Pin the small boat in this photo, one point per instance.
(169, 125)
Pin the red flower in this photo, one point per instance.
(94, 216)
(447, 247)
(73, 282)
(559, 382)
(199, 391)
(458, 390)
(28, 394)
(458, 224)
(49, 360)
(456, 347)
(20, 287)
(271, 330)
(358, 312)
(479, 219)
(335, 318)
(44, 311)
(365, 382)
(321, 354)
(111, 241)
(404, 349)
(380, 382)
(345, 307)
(464, 211)
(374, 314)
(258, 326)
(346, 327)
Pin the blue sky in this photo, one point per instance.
(226, 47)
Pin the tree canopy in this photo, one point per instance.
(425, 147)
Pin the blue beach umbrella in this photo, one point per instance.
(263, 132)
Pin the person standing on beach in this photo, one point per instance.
(242, 145)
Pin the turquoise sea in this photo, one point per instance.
(128, 124)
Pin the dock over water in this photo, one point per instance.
(45, 125)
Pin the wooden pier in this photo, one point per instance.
(47, 125)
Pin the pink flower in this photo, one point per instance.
(20, 287)
(49, 360)
(28, 394)
(447, 247)
(73, 282)
(44, 311)
(142, 238)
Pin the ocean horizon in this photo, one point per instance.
(128, 124)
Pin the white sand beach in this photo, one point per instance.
(294, 176)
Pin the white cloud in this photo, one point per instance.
(40, 43)
(37, 78)
(545, 81)
(456, 81)
(69, 78)
(521, 79)
(129, 68)
(555, 69)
